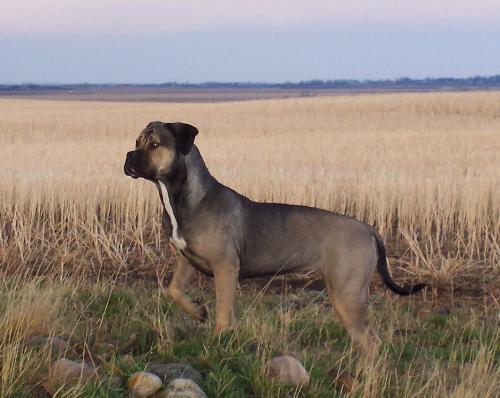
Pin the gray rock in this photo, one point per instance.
(344, 382)
(182, 388)
(294, 354)
(103, 348)
(143, 384)
(287, 370)
(115, 381)
(68, 373)
(105, 351)
(170, 371)
(57, 346)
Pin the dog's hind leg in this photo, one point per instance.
(348, 291)
(183, 275)
(351, 311)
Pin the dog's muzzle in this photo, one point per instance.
(130, 161)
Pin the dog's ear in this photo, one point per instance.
(184, 135)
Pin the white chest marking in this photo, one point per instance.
(178, 241)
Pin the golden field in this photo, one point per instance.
(423, 168)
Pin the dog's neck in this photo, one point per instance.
(191, 181)
(182, 193)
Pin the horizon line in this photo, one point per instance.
(264, 83)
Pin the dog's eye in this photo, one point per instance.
(154, 145)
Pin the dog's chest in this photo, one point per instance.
(175, 238)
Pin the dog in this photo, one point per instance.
(227, 236)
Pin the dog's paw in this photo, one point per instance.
(201, 311)
(224, 334)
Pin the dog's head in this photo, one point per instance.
(160, 150)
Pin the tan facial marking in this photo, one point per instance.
(160, 158)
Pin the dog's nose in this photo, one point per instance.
(131, 156)
(129, 165)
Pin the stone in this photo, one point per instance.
(404, 332)
(291, 301)
(444, 311)
(294, 354)
(423, 313)
(105, 351)
(182, 388)
(115, 381)
(254, 346)
(131, 342)
(127, 361)
(68, 373)
(293, 297)
(57, 346)
(143, 384)
(170, 371)
(344, 382)
(287, 370)
(115, 370)
(103, 348)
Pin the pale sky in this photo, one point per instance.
(156, 41)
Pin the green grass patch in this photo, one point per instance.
(145, 327)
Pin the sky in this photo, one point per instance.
(154, 41)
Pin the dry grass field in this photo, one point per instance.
(81, 245)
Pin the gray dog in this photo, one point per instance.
(226, 235)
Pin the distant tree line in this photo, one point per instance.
(477, 82)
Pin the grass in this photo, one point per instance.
(82, 254)
(441, 354)
(423, 168)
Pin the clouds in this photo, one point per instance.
(167, 16)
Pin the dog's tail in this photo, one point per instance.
(384, 272)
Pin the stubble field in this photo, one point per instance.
(81, 249)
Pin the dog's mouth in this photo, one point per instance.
(130, 171)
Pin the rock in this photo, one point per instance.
(68, 373)
(404, 332)
(127, 361)
(344, 382)
(57, 346)
(115, 370)
(143, 384)
(130, 344)
(182, 388)
(287, 370)
(291, 301)
(254, 346)
(105, 351)
(115, 381)
(320, 297)
(423, 313)
(103, 348)
(293, 297)
(294, 354)
(180, 330)
(170, 371)
(444, 311)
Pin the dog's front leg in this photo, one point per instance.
(226, 281)
(176, 291)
